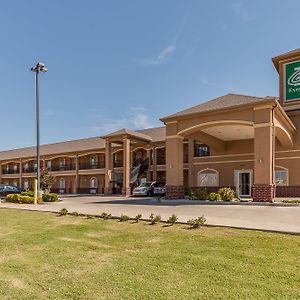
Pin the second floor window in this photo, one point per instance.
(26, 167)
(201, 150)
(93, 160)
(49, 164)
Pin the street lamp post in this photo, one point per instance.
(40, 67)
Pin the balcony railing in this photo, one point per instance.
(99, 165)
(160, 160)
(185, 158)
(10, 171)
(66, 167)
(118, 163)
(29, 169)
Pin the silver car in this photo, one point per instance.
(144, 189)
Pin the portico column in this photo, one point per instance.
(154, 164)
(126, 168)
(264, 148)
(76, 189)
(174, 167)
(148, 155)
(20, 172)
(108, 168)
(190, 162)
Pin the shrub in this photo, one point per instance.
(214, 197)
(151, 217)
(173, 219)
(13, 198)
(188, 191)
(155, 219)
(227, 194)
(105, 216)
(75, 213)
(63, 212)
(201, 194)
(124, 218)
(18, 198)
(50, 197)
(196, 223)
(28, 193)
(137, 218)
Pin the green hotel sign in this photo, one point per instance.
(292, 81)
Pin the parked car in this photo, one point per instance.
(6, 189)
(159, 189)
(144, 189)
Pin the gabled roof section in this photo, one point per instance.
(284, 56)
(129, 133)
(223, 102)
(157, 134)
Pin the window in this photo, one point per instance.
(62, 183)
(26, 185)
(93, 183)
(15, 168)
(208, 178)
(93, 161)
(15, 183)
(49, 164)
(35, 166)
(26, 166)
(281, 177)
(201, 150)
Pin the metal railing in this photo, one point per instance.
(10, 171)
(160, 160)
(87, 165)
(65, 167)
(118, 163)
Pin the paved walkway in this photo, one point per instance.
(283, 218)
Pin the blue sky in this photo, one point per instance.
(115, 64)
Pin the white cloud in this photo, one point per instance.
(240, 11)
(162, 56)
(136, 118)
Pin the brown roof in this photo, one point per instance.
(227, 101)
(87, 144)
(290, 54)
(125, 131)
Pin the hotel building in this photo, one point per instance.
(251, 144)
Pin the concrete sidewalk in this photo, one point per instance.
(278, 217)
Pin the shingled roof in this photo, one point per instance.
(227, 101)
(88, 144)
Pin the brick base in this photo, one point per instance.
(263, 193)
(126, 192)
(174, 192)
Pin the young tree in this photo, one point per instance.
(47, 180)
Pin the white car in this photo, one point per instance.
(159, 189)
(144, 189)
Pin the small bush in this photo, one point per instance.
(14, 198)
(105, 216)
(173, 219)
(196, 223)
(18, 198)
(63, 212)
(202, 194)
(124, 218)
(151, 217)
(155, 219)
(188, 191)
(294, 201)
(227, 194)
(28, 193)
(75, 214)
(50, 197)
(138, 218)
(214, 197)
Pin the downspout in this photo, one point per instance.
(273, 149)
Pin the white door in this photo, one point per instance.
(244, 183)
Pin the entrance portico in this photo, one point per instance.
(246, 129)
(125, 140)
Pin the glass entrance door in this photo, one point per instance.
(244, 183)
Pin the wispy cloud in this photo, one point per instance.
(162, 56)
(48, 113)
(217, 85)
(240, 11)
(136, 118)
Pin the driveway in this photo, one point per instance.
(278, 217)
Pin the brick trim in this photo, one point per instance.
(174, 192)
(263, 193)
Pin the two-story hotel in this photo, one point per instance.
(251, 144)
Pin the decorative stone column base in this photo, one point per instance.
(126, 192)
(263, 193)
(108, 191)
(174, 192)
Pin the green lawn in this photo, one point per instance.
(43, 256)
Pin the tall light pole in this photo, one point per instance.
(40, 67)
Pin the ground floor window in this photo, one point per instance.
(281, 177)
(26, 185)
(208, 177)
(61, 183)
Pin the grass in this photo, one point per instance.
(44, 256)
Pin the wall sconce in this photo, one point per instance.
(170, 166)
(260, 161)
